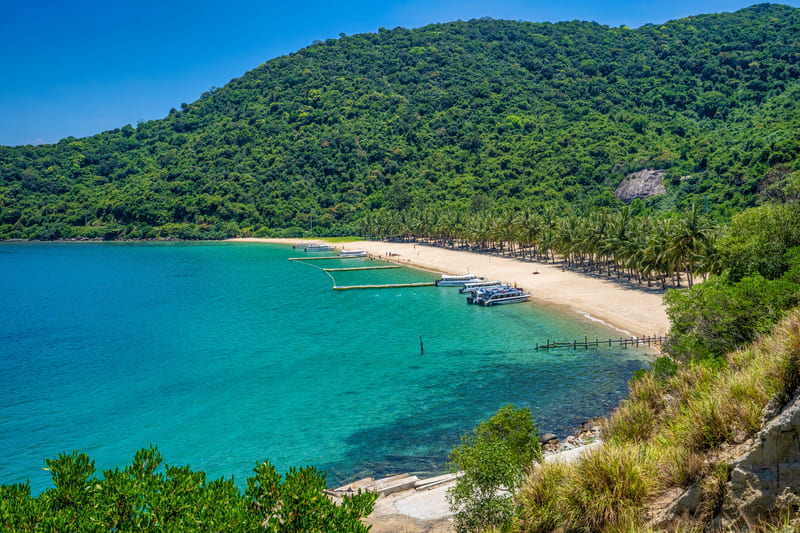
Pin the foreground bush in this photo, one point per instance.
(493, 459)
(138, 498)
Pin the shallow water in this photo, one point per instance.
(225, 354)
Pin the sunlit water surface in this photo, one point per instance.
(225, 354)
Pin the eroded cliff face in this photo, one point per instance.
(642, 184)
(765, 480)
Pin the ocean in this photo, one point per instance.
(227, 354)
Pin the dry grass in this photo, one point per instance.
(608, 488)
(659, 438)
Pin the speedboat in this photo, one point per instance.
(320, 248)
(353, 253)
(456, 281)
(503, 294)
(472, 286)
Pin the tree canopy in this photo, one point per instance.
(484, 112)
(148, 496)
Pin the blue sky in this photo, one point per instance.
(83, 67)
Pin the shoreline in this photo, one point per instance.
(617, 305)
(630, 310)
(406, 503)
(623, 307)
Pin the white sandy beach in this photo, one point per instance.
(631, 310)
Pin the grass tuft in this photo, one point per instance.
(611, 486)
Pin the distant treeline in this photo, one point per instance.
(466, 114)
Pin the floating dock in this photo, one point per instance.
(372, 267)
(384, 286)
(318, 258)
(347, 269)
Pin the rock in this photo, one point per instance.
(765, 480)
(360, 484)
(771, 410)
(393, 484)
(547, 437)
(642, 184)
(592, 424)
(684, 506)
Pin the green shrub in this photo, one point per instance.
(493, 459)
(717, 317)
(145, 497)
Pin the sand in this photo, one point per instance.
(629, 308)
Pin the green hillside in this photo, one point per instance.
(472, 114)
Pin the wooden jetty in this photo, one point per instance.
(624, 342)
(347, 269)
(384, 286)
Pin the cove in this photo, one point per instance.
(227, 354)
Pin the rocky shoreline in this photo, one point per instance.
(412, 504)
(588, 433)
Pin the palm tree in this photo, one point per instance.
(690, 240)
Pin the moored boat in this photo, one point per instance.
(502, 299)
(471, 287)
(353, 253)
(319, 248)
(499, 295)
(457, 281)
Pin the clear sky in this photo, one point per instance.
(82, 67)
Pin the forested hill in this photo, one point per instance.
(485, 113)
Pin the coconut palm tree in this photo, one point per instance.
(690, 240)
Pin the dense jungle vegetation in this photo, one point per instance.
(465, 115)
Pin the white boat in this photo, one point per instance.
(473, 286)
(320, 248)
(477, 295)
(456, 281)
(502, 299)
(502, 294)
(353, 253)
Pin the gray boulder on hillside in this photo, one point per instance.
(642, 184)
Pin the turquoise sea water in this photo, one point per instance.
(225, 354)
